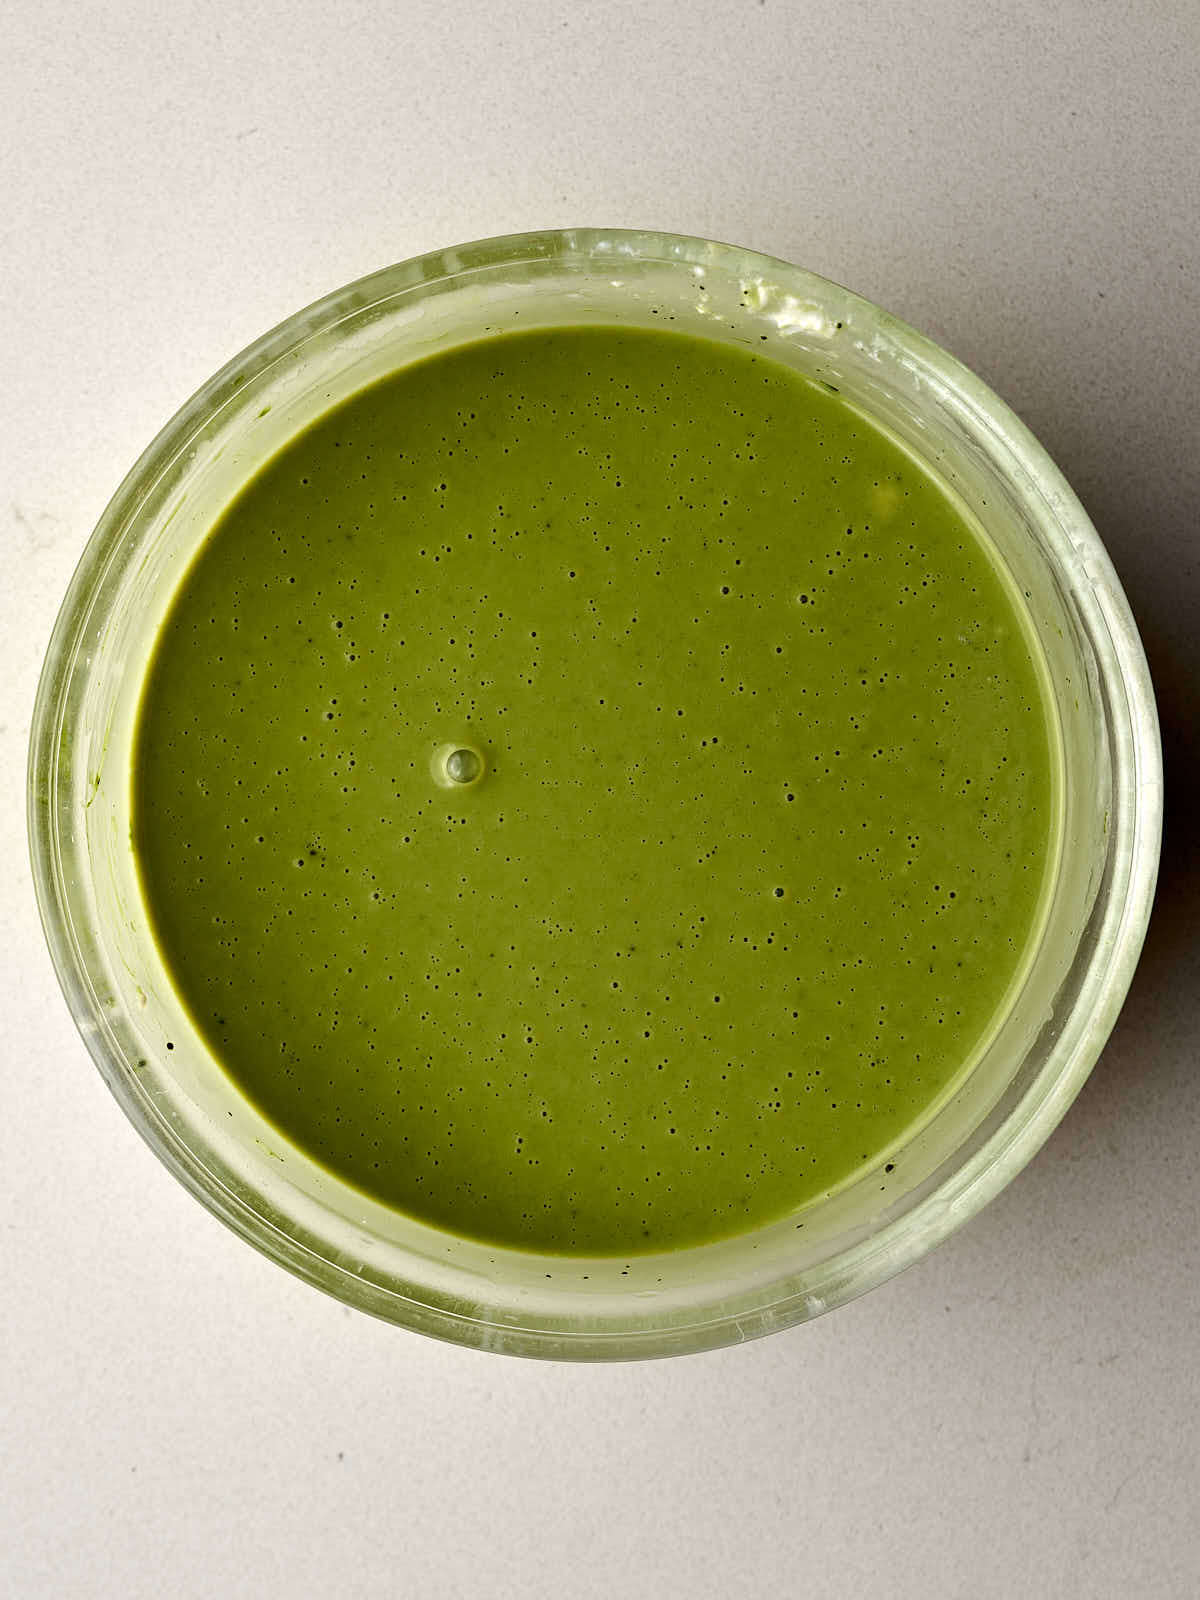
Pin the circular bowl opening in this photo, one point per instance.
(1056, 1018)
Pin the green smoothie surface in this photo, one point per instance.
(593, 790)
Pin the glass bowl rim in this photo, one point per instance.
(887, 1250)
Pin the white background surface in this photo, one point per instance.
(1020, 1414)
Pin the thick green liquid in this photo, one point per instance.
(766, 811)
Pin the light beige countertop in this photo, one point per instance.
(1017, 1416)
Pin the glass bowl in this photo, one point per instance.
(1057, 1017)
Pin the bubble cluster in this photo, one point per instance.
(593, 790)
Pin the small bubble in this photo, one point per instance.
(463, 766)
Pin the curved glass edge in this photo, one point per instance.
(1138, 820)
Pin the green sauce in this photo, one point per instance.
(749, 807)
